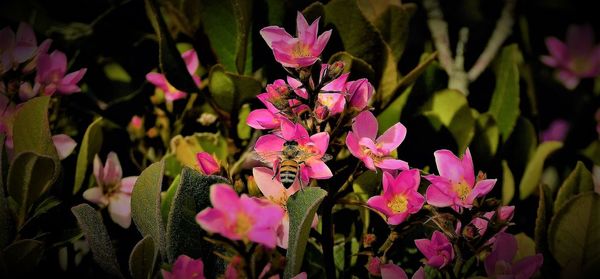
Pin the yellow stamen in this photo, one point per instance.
(398, 204)
(462, 189)
(300, 50)
(244, 224)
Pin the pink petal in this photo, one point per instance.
(262, 119)
(112, 170)
(283, 232)
(424, 246)
(380, 203)
(68, 84)
(337, 84)
(191, 61)
(558, 50)
(419, 274)
(393, 137)
(294, 83)
(550, 61)
(301, 25)
(120, 209)
(322, 40)
(437, 197)
(96, 196)
(321, 141)
(207, 163)
(353, 145)
(288, 129)
(365, 125)
(449, 166)
(273, 34)
(580, 39)
(392, 271)
(157, 80)
(64, 145)
(408, 180)
(224, 198)
(98, 170)
(127, 184)
(301, 275)
(392, 164)
(397, 218)
(319, 170)
(568, 79)
(467, 165)
(59, 62)
(369, 163)
(269, 187)
(389, 182)
(26, 44)
(481, 189)
(267, 144)
(212, 220)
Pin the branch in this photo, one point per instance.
(439, 32)
(458, 77)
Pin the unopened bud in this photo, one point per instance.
(335, 70)
(207, 119)
(253, 189)
(321, 112)
(368, 240)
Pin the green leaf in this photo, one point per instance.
(43, 207)
(90, 146)
(339, 251)
(31, 131)
(357, 67)
(167, 198)
(232, 90)
(592, 151)
(526, 247)
(184, 235)
(451, 109)
(29, 177)
(487, 136)
(243, 130)
(508, 184)
(580, 180)
(145, 204)
(214, 144)
(393, 113)
(520, 147)
(393, 25)
(142, 259)
(505, 101)
(98, 239)
(114, 71)
(544, 214)
(301, 207)
(533, 171)
(22, 257)
(276, 10)
(170, 61)
(172, 165)
(573, 236)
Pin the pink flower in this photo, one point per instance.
(438, 250)
(50, 78)
(207, 163)
(455, 186)
(375, 153)
(278, 99)
(577, 58)
(184, 268)
(390, 270)
(557, 131)
(240, 218)
(112, 190)
(161, 82)
(297, 52)
(503, 214)
(331, 97)
(400, 197)
(359, 93)
(276, 193)
(499, 263)
(15, 50)
(313, 149)
(64, 145)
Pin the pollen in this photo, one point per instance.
(244, 224)
(398, 204)
(462, 189)
(301, 50)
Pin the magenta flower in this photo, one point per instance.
(184, 268)
(390, 270)
(160, 81)
(577, 58)
(504, 214)
(557, 131)
(19, 48)
(207, 164)
(375, 153)
(499, 263)
(112, 190)
(359, 93)
(331, 99)
(297, 52)
(51, 78)
(438, 250)
(277, 99)
(400, 197)
(240, 218)
(313, 148)
(455, 186)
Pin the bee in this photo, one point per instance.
(288, 162)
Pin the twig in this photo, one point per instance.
(439, 32)
(458, 77)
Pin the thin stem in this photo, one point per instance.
(327, 237)
(439, 32)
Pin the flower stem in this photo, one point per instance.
(327, 236)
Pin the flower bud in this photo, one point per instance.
(207, 163)
(335, 70)
(359, 93)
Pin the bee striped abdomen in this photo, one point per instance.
(288, 170)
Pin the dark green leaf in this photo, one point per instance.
(145, 204)
(592, 151)
(487, 136)
(31, 131)
(573, 236)
(90, 146)
(98, 239)
(544, 214)
(451, 109)
(533, 171)
(142, 259)
(7, 227)
(301, 207)
(505, 101)
(167, 198)
(355, 66)
(393, 25)
(580, 180)
(339, 252)
(30, 176)
(184, 235)
(232, 90)
(22, 257)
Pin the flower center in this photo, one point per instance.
(581, 64)
(462, 189)
(301, 50)
(398, 204)
(244, 224)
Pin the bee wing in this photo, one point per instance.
(305, 155)
(266, 157)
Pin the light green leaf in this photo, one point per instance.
(592, 151)
(357, 67)
(243, 130)
(301, 206)
(393, 113)
(533, 171)
(184, 235)
(31, 131)
(98, 239)
(167, 198)
(142, 259)
(525, 245)
(90, 146)
(451, 109)
(214, 144)
(505, 101)
(231, 90)
(22, 257)
(114, 71)
(172, 165)
(339, 251)
(145, 204)
(573, 236)
(508, 184)
(580, 180)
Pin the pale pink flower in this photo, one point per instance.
(557, 131)
(26, 91)
(400, 197)
(112, 190)
(456, 185)
(359, 93)
(577, 58)
(51, 78)
(160, 80)
(19, 48)
(500, 262)
(137, 122)
(438, 250)
(390, 270)
(240, 218)
(184, 268)
(297, 52)
(503, 214)
(313, 147)
(331, 97)
(375, 152)
(207, 163)
(64, 145)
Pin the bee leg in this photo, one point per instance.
(299, 175)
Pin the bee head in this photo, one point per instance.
(291, 143)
